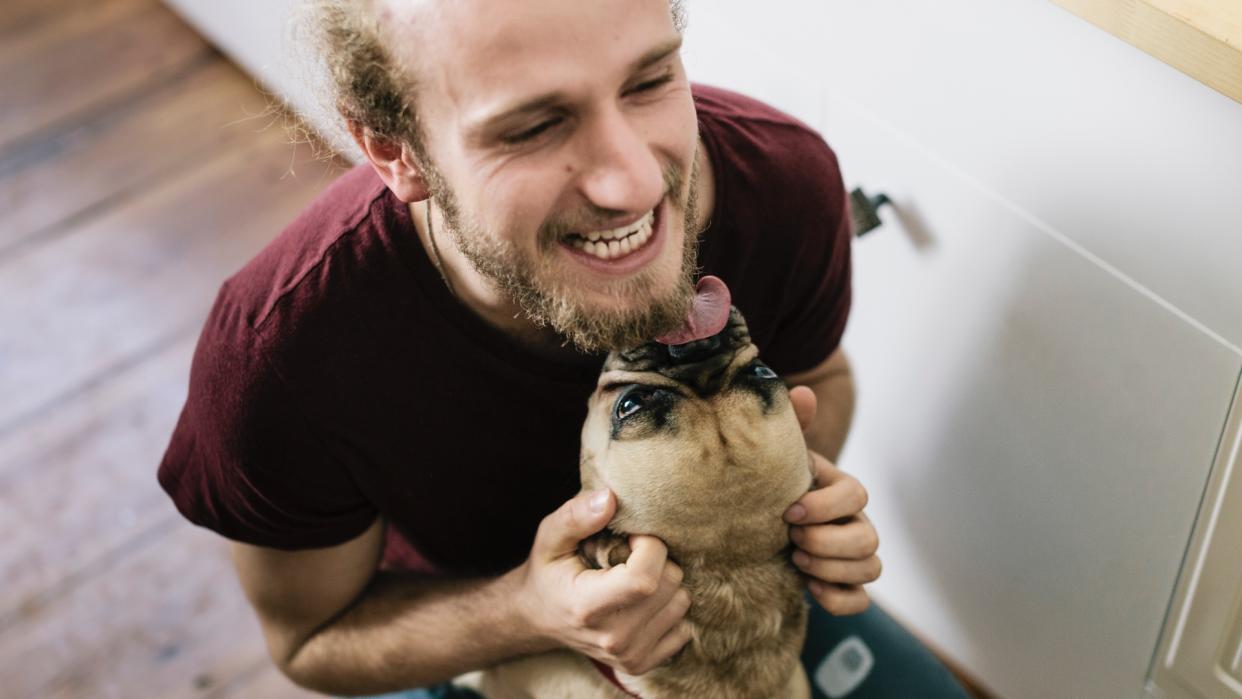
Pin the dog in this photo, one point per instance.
(701, 446)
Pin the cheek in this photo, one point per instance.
(672, 127)
(644, 471)
(595, 431)
(521, 199)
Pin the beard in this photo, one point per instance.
(640, 312)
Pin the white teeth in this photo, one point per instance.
(619, 233)
(617, 242)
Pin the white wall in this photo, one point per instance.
(261, 38)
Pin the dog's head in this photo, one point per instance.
(699, 442)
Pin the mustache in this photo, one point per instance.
(594, 218)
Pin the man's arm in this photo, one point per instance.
(335, 625)
(833, 384)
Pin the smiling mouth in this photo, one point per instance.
(617, 242)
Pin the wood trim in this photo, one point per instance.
(1201, 38)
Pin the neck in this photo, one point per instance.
(748, 614)
(750, 623)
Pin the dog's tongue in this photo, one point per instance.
(708, 315)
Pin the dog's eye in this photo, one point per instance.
(760, 370)
(631, 402)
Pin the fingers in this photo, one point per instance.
(668, 606)
(647, 579)
(805, 403)
(839, 570)
(647, 557)
(579, 518)
(839, 600)
(855, 539)
(837, 495)
(674, 640)
(650, 630)
(659, 638)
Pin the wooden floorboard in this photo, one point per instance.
(266, 682)
(166, 621)
(85, 474)
(143, 274)
(21, 18)
(55, 74)
(137, 171)
(180, 121)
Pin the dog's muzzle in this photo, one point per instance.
(701, 364)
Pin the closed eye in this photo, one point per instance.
(532, 133)
(652, 84)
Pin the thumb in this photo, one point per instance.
(560, 532)
(805, 403)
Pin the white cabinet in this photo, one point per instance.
(1201, 655)
(1036, 434)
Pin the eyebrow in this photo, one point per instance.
(548, 99)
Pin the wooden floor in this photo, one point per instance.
(136, 173)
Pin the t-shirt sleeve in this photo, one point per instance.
(816, 293)
(245, 461)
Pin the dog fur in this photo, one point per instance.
(709, 469)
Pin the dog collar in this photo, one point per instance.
(611, 675)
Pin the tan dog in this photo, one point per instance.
(702, 448)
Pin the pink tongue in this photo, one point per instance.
(707, 317)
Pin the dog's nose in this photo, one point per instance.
(695, 351)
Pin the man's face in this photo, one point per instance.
(549, 123)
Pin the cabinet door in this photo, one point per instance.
(1201, 655)
(1035, 430)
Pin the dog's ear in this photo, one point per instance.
(604, 549)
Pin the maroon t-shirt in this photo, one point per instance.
(337, 379)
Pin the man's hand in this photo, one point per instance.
(835, 541)
(630, 617)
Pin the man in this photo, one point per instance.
(385, 403)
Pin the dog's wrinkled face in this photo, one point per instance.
(699, 442)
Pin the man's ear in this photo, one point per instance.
(394, 163)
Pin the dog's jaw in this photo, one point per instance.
(748, 613)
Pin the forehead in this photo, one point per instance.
(481, 55)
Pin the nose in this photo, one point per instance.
(695, 351)
(621, 173)
(700, 365)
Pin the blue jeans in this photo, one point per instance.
(866, 656)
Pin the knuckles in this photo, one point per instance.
(835, 541)
(870, 542)
(644, 586)
(843, 602)
(856, 495)
(682, 599)
(583, 617)
(616, 645)
(877, 567)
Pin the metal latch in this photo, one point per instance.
(864, 211)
